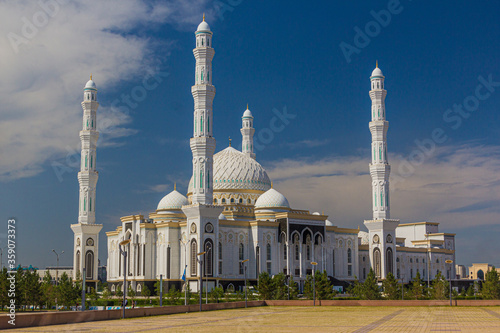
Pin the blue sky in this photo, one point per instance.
(275, 56)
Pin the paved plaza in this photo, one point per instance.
(304, 319)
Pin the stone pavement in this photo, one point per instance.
(277, 319)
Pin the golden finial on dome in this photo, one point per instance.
(203, 17)
(175, 186)
(229, 141)
(358, 228)
(247, 106)
(376, 63)
(271, 184)
(322, 212)
(91, 76)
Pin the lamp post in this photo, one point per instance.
(124, 253)
(57, 267)
(184, 242)
(200, 261)
(245, 268)
(1, 256)
(314, 282)
(449, 262)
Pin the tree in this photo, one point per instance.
(356, 289)
(439, 288)
(106, 293)
(279, 287)
(491, 285)
(216, 294)
(294, 288)
(146, 292)
(157, 288)
(49, 292)
(391, 288)
(93, 296)
(67, 292)
(417, 290)
(470, 290)
(265, 286)
(119, 291)
(173, 295)
(370, 287)
(4, 287)
(323, 286)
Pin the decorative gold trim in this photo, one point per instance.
(418, 223)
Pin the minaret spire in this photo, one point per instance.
(379, 168)
(381, 229)
(86, 241)
(203, 143)
(247, 132)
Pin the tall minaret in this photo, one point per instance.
(247, 132)
(382, 229)
(202, 143)
(202, 215)
(86, 231)
(379, 168)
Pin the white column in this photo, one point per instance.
(379, 167)
(202, 143)
(247, 132)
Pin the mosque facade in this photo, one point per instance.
(233, 221)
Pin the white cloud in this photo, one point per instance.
(46, 57)
(458, 187)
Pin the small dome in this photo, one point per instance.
(272, 199)
(377, 72)
(329, 223)
(203, 26)
(222, 217)
(173, 200)
(247, 113)
(90, 85)
(316, 213)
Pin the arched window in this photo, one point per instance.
(308, 252)
(249, 201)
(215, 201)
(268, 258)
(398, 274)
(480, 275)
(241, 200)
(241, 257)
(376, 262)
(194, 251)
(349, 256)
(208, 257)
(389, 260)
(224, 200)
(296, 252)
(284, 252)
(220, 258)
(78, 261)
(89, 265)
(241, 253)
(232, 200)
(257, 259)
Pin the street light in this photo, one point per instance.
(1, 256)
(314, 282)
(124, 253)
(245, 268)
(57, 268)
(449, 262)
(200, 261)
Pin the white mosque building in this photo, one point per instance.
(232, 213)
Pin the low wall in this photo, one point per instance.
(31, 319)
(461, 302)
